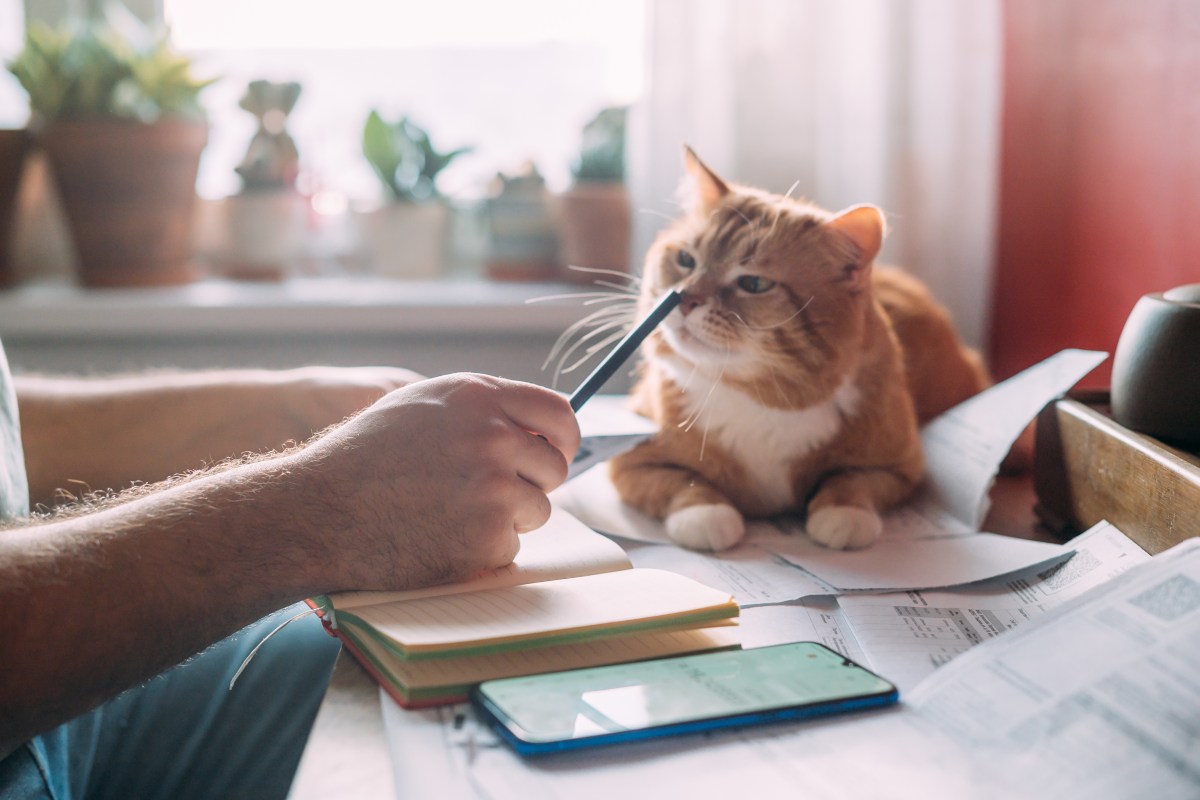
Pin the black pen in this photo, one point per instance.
(616, 357)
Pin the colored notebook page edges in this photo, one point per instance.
(432, 682)
(570, 598)
(552, 612)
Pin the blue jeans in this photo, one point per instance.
(184, 734)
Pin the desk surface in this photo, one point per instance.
(347, 752)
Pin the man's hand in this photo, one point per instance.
(434, 482)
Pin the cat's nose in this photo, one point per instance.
(688, 304)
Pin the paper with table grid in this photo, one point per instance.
(1095, 699)
(907, 754)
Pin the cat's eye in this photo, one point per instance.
(755, 284)
(685, 259)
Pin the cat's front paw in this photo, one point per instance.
(844, 527)
(709, 527)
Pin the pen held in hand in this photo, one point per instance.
(625, 348)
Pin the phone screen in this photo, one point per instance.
(556, 711)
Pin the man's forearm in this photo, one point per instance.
(429, 485)
(85, 435)
(97, 603)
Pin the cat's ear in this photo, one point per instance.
(864, 226)
(707, 188)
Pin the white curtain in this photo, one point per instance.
(892, 102)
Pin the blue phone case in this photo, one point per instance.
(510, 731)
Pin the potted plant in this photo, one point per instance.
(522, 232)
(406, 236)
(14, 145)
(594, 213)
(122, 129)
(266, 221)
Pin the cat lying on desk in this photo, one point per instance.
(792, 377)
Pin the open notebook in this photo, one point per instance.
(570, 599)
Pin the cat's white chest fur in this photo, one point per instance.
(764, 440)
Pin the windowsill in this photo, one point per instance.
(298, 305)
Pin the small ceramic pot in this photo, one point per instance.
(1156, 368)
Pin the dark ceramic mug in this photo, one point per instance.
(1156, 369)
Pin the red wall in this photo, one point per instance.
(1100, 170)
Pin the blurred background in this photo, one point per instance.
(1039, 162)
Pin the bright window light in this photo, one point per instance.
(515, 81)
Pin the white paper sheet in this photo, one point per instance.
(607, 428)
(1098, 699)
(906, 636)
(814, 619)
(965, 446)
(963, 450)
(753, 576)
(894, 562)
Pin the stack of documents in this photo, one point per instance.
(1027, 669)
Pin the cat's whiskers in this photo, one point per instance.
(586, 296)
(619, 324)
(632, 279)
(775, 221)
(655, 212)
(774, 373)
(758, 393)
(696, 415)
(631, 289)
(704, 406)
(779, 210)
(613, 309)
(617, 312)
(591, 351)
(704, 438)
(611, 298)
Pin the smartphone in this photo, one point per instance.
(683, 694)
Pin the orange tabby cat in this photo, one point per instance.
(792, 377)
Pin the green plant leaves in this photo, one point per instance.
(602, 155)
(93, 71)
(404, 158)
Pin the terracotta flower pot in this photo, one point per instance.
(14, 145)
(596, 226)
(128, 189)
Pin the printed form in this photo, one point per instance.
(906, 636)
(786, 585)
(1095, 699)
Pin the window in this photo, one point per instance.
(13, 108)
(515, 81)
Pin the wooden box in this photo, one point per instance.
(1089, 468)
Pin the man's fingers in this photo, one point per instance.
(543, 412)
(541, 463)
(532, 511)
